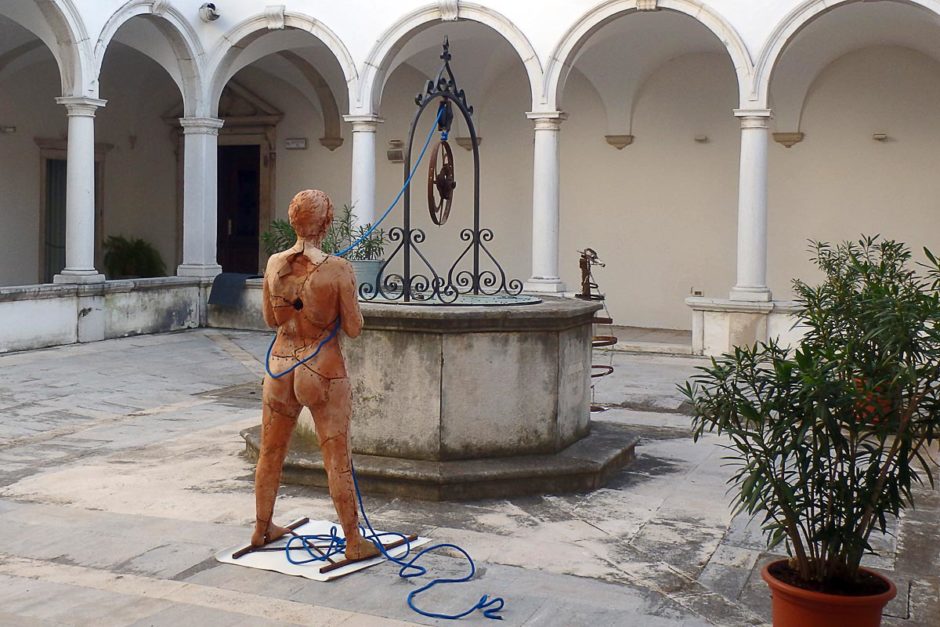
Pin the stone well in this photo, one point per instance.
(457, 402)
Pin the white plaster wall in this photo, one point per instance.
(27, 324)
(839, 182)
(662, 212)
(296, 170)
(27, 101)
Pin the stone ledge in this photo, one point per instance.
(585, 465)
(699, 303)
(39, 291)
(42, 291)
(552, 314)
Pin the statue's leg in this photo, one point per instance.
(331, 419)
(279, 415)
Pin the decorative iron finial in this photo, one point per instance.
(445, 55)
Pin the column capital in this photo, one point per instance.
(81, 105)
(367, 123)
(547, 120)
(202, 126)
(754, 118)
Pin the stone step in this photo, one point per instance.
(585, 465)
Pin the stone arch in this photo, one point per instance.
(223, 63)
(179, 34)
(59, 26)
(559, 64)
(377, 64)
(798, 19)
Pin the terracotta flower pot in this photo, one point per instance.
(796, 607)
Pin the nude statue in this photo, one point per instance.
(306, 294)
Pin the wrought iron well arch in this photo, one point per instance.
(434, 287)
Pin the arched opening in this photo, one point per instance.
(33, 131)
(649, 158)
(492, 74)
(852, 94)
(280, 94)
(145, 75)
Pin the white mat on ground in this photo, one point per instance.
(277, 560)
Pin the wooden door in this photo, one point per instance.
(239, 206)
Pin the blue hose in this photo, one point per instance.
(490, 607)
(398, 196)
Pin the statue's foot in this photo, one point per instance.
(265, 533)
(360, 549)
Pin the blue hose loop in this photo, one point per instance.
(323, 342)
(490, 607)
(307, 542)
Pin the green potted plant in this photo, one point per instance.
(828, 439)
(366, 257)
(131, 258)
(279, 236)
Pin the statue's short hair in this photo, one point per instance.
(311, 214)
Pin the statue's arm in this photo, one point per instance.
(267, 309)
(349, 312)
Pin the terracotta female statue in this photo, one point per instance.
(308, 296)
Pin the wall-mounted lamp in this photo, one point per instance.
(395, 152)
(466, 143)
(701, 139)
(788, 140)
(208, 12)
(619, 141)
(880, 137)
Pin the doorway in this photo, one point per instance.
(239, 208)
(53, 178)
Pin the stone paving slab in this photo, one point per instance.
(119, 482)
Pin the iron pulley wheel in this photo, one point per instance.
(441, 182)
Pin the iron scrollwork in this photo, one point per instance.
(475, 271)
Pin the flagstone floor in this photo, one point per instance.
(122, 473)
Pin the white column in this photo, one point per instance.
(80, 192)
(200, 194)
(545, 217)
(362, 196)
(751, 282)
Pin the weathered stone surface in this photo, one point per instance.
(583, 466)
(396, 393)
(68, 313)
(499, 394)
(439, 383)
(135, 440)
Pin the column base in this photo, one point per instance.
(751, 294)
(544, 285)
(204, 271)
(78, 276)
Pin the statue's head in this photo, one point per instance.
(311, 213)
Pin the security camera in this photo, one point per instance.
(208, 12)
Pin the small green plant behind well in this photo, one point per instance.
(343, 232)
(279, 236)
(829, 439)
(131, 257)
